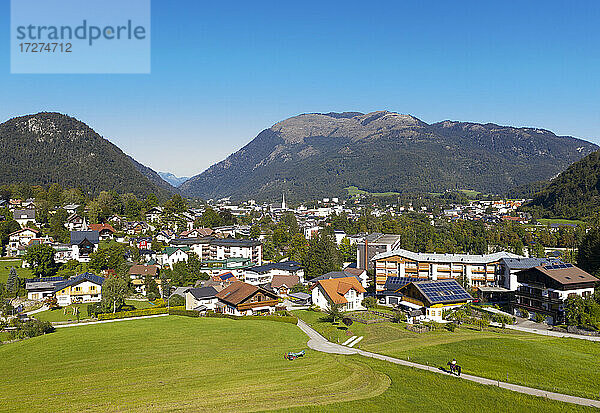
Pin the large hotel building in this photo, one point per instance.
(471, 270)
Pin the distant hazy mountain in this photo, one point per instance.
(315, 155)
(50, 147)
(575, 193)
(172, 179)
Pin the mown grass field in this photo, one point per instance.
(66, 313)
(569, 366)
(5, 266)
(186, 364)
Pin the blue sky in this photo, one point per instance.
(223, 71)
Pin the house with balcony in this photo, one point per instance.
(19, 240)
(545, 288)
(264, 274)
(241, 298)
(83, 288)
(83, 243)
(468, 269)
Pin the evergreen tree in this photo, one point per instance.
(13, 282)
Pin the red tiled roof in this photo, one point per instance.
(100, 227)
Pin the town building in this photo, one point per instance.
(20, 238)
(372, 245)
(201, 299)
(471, 270)
(264, 274)
(41, 288)
(173, 255)
(24, 216)
(105, 231)
(138, 274)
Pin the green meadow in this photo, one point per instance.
(190, 364)
(562, 365)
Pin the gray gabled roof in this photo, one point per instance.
(334, 274)
(78, 236)
(24, 214)
(203, 293)
(86, 276)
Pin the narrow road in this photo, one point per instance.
(319, 343)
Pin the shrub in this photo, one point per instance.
(187, 313)
(31, 328)
(152, 296)
(369, 302)
(281, 319)
(539, 318)
(134, 313)
(450, 326)
(176, 300)
(524, 313)
(399, 317)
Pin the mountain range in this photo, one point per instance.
(314, 155)
(176, 181)
(48, 147)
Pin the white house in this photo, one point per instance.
(23, 216)
(346, 291)
(172, 255)
(264, 274)
(83, 244)
(201, 299)
(20, 238)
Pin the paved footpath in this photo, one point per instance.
(319, 343)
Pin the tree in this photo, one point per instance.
(322, 256)
(165, 283)
(151, 287)
(334, 312)
(113, 294)
(348, 250)
(575, 311)
(13, 282)
(108, 256)
(369, 302)
(210, 218)
(41, 259)
(588, 257)
(176, 204)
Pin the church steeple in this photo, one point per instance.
(283, 206)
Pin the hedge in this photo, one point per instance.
(133, 313)
(187, 313)
(281, 319)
